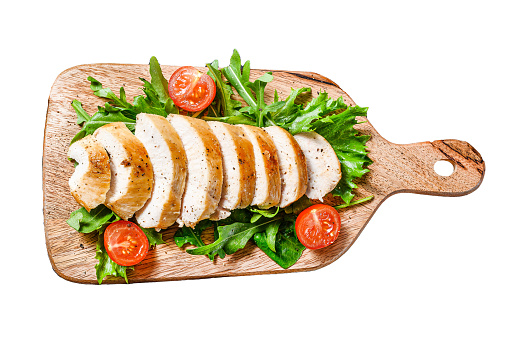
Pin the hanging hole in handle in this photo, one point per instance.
(444, 167)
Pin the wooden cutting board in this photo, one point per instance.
(396, 168)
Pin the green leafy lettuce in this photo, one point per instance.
(287, 248)
(88, 222)
(193, 236)
(349, 146)
(224, 101)
(233, 237)
(155, 101)
(233, 233)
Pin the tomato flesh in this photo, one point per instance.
(191, 90)
(125, 243)
(318, 226)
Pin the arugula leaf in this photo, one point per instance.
(221, 252)
(272, 229)
(356, 202)
(190, 235)
(298, 206)
(271, 234)
(258, 87)
(288, 249)
(106, 266)
(87, 222)
(267, 213)
(151, 103)
(233, 237)
(349, 146)
(317, 108)
(224, 92)
(239, 78)
(158, 81)
(99, 91)
(82, 115)
(285, 113)
(154, 237)
(235, 119)
(193, 236)
(156, 101)
(101, 118)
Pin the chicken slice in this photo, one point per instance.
(132, 172)
(323, 166)
(292, 165)
(168, 158)
(91, 180)
(267, 186)
(238, 169)
(203, 187)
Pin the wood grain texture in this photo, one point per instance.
(396, 168)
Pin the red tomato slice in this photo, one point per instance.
(318, 226)
(125, 243)
(191, 90)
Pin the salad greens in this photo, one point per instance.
(287, 249)
(156, 101)
(318, 115)
(272, 230)
(106, 266)
(88, 222)
(97, 220)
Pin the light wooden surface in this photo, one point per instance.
(396, 168)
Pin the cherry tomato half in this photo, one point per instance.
(318, 226)
(191, 90)
(125, 243)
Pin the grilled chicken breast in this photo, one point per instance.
(323, 166)
(238, 169)
(168, 158)
(91, 179)
(267, 186)
(292, 165)
(131, 169)
(203, 187)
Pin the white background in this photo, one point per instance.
(424, 266)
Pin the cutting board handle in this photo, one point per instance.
(414, 170)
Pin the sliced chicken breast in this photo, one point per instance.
(203, 187)
(168, 158)
(238, 169)
(292, 165)
(323, 166)
(132, 172)
(91, 180)
(267, 186)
